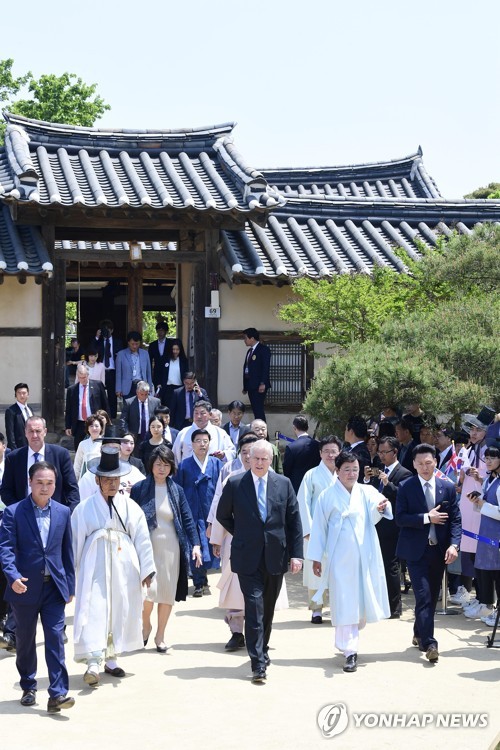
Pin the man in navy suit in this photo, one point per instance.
(428, 514)
(108, 346)
(138, 410)
(184, 399)
(83, 399)
(132, 365)
(16, 416)
(256, 367)
(36, 555)
(235, 428)
(260, 510)
(302, 454)
(18, 462)
(407, 444)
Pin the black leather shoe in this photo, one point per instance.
(62, 701)
(29, 698)
(115, 672)
(198, 592)
(395, 616)
(316, 619)
(8, 642)
(432, 654)
(351, 663)
(258, 676)
(236, 642)
(267, 660)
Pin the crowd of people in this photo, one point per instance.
(164, 492)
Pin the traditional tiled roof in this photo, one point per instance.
(404, 178)
(195, 169)
(317, 239)
(22, 249)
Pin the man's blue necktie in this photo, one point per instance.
(261, 498)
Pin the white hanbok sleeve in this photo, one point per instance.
(139, 534)
(319, 531)
(304, 497)
(79, 457)
(374, 497)
(79, 532)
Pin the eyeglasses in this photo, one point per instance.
(382, 453)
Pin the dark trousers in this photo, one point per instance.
(3, 586)
(257, 402)
(110, 381)
(51, 611)
(388, 545)
(260, 591)
(167, 394)
(426, 575)
(79, 433)
(487, 582)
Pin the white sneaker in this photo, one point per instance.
(473, 610)
(488, 614)
(470, 603)
(491, 620)
(461, 596)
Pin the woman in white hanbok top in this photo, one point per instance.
(91, 446)
(343, 530)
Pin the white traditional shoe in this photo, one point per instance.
(461, 596)
(473, 610)
(488, 614)
(470, 603)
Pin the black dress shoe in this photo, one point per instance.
(8, 642)
(432, 654)
(267, 660)
(316, 619)
(395, 616)
(236, 642)
(351, 663)
(29, 698)
(115, 672)
(259, 675)
(198, 592)
(62, 701)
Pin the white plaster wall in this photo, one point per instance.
(20, 306)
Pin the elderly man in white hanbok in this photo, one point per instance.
(314, 482)
(231, 597)
(344, 530)
(113, 561)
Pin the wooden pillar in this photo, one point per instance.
(135, 300)
(211, 324)
(200, 293)
(53, 338)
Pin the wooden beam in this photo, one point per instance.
(20, 332)
(211, 324)
(112, 272)
(123, 256)
(135, 300)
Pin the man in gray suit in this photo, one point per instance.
(132, 364)
(138, 410)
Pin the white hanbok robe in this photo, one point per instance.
(87, 484)
(219, 441)
(344, 529)
(229, 584)
(314, 482)
(110, 567)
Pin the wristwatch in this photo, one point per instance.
(457, 547)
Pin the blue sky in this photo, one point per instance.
(315, 83)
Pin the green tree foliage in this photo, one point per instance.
(442, 352)
(64, 99)
(149, 321)
(484, 192)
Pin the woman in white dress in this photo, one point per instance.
(174, 538)
(97, 371)
(91, 446)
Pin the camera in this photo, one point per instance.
(105, 333)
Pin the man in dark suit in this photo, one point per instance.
(83, 399)
(37, 558)
(159, 354)
(138, 410)
(428, 515)
(17, 463)
(386, 481)
(183, 401)
(355, 434)
(260, 510)
(108, 346)
(407, 444)
(256, 367)
(302, 454)
(235, 428)
(16, 416)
